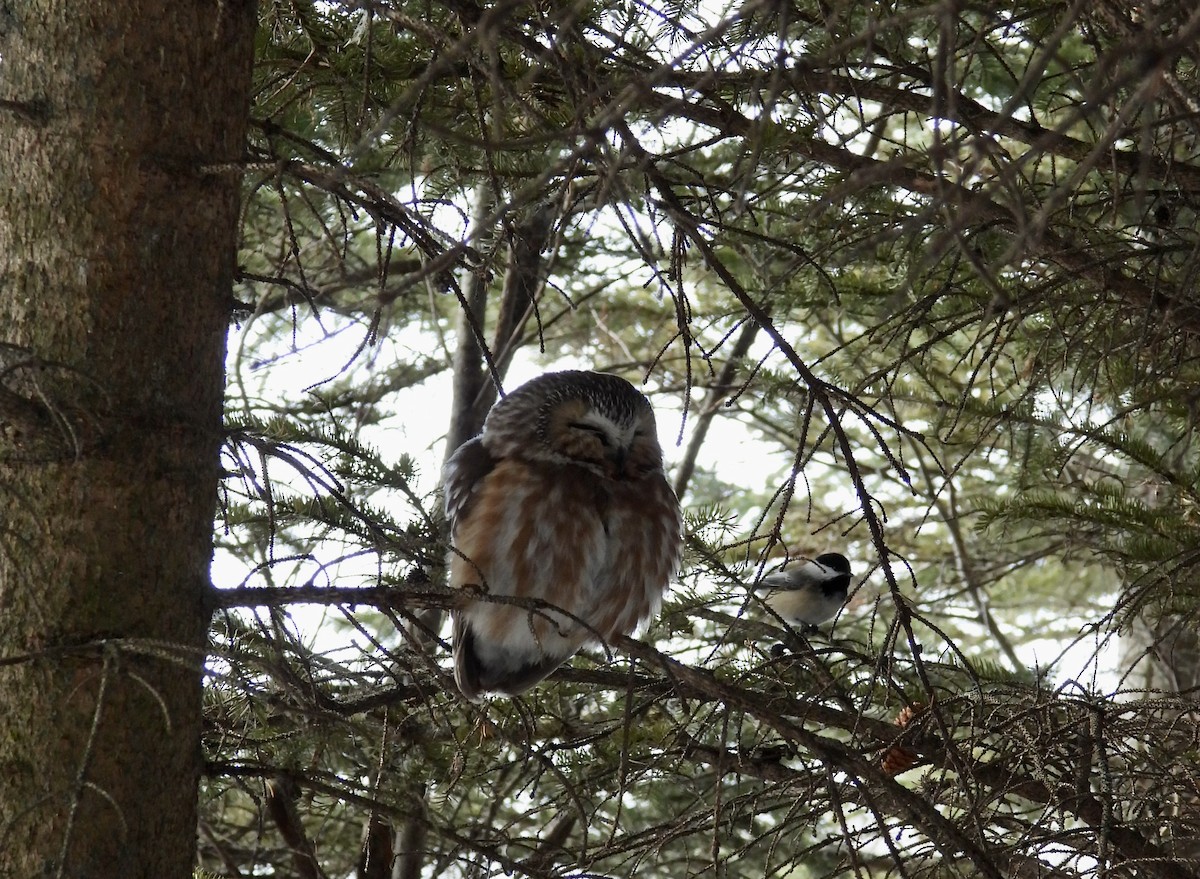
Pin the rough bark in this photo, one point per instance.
(121, 128)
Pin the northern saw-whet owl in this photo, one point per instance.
(562, 504)
(809, 593)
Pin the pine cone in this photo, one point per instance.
(898, 758)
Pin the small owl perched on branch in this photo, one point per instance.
(561, 515)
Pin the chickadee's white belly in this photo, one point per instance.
(804, 606)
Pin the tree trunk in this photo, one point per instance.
(121, 127)
(1160, 654)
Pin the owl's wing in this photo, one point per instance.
(469, 464)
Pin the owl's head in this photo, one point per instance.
(592, 419)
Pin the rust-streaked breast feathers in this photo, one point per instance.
(564, 528)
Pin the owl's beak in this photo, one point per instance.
(618, 456)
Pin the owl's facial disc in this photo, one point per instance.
(583, 435)
(608, 442)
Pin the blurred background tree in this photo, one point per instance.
(911, 282)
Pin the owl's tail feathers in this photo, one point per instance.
(481, 668)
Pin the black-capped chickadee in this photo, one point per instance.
(808, 593)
